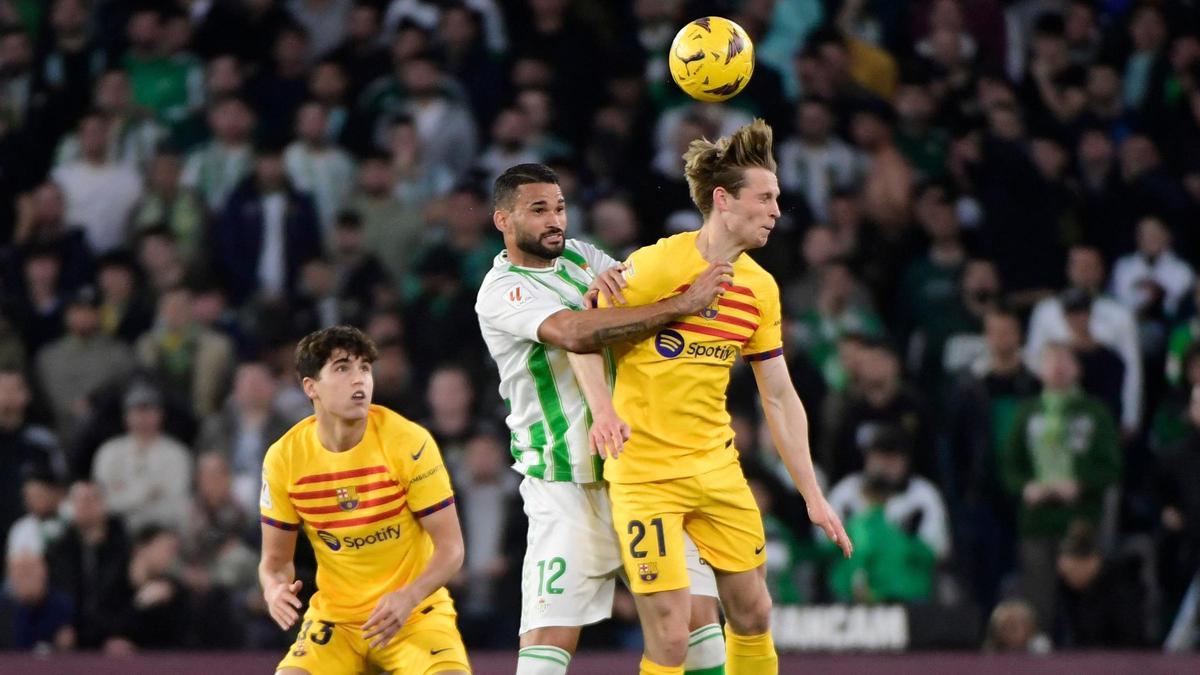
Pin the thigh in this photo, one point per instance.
(325, 647)
(727, 528)
(571, 558)
(648, 518)
(429, 644)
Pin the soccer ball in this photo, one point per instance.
(711, 59)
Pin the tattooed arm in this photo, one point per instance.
(590, 330)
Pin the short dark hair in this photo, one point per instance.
(505, 188)
(316, 348)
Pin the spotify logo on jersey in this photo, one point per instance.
(669, 343)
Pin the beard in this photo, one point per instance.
(533, 245)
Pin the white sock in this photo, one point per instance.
(542, 660)
(706, 650)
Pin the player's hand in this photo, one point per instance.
(388, 617)
(823, 516)
(610, 282)
(283, 604)
(711, 283)
(608, 434)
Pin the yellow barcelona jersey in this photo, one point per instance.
(670, 387)
(359, 509)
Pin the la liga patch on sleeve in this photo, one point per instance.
(518, 296)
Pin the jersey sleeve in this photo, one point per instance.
(429, 488)
(275, 507)
(517, 306)
(596, 259)
(646, 280)
(767, 340)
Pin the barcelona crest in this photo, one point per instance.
(647, 571)
(710, 313)
(347, 498)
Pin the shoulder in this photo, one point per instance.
(394, 426)
(292, 440)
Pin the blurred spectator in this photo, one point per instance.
(90, 564)
(265, 233)
(879, 398)
(100, 193)
(1179, 492)
(839, 309)
(37, 615)
(1170, 422)
(327, 86)
(362, 281)
(221, 571)
(469, 58)
(450, 397)
(960, 331)
(313, 165)
(490, 510)
(444, 124)
(40, 527)
(167, 203)
(511, 144)
(1154, 278)
(1060, 459)
(1145, 69)
(132, 136)
(241, 431)
(41, 223)
(125, 312)
(361, 54)
(910, 502)
(144, 473)
(224, 77)
(158, 617)
(614, 226)
(392, 228)
(1102, 372)
(193, 360)
(417, 181)
(278, 91)
(924, 143)
(38, 310)
(165, 79)
(815, 162)
(887, 177)
(71, 58)
(930, 286)
(25, 448)
(1111, 324)
(394, 386)
(159, 259)
(466, 233)
(898, 523)
(70, 368)
(1102, 601)
(325, 21)
(1013, 628)
(215, 168)
(981, 408)
(822, 244)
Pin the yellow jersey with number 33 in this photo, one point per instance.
(359, 509)
(670, 387)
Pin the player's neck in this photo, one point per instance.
(716, 243)
(337, 434)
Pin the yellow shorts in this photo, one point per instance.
(428, 643)
(716, 509)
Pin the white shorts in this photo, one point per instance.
(573, 557)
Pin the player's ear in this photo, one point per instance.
(720, 197)
(500, 219)
(309, 385)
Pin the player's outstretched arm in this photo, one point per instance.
(277, 575)
(593, 329)
(608, 432)
(789, 429)
(393, 608)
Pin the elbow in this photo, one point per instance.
(455, 554)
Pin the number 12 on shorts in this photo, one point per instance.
(556, 568)
(638, 530)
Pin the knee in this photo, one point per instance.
(672, 638)
(565, 638)
(750, 615)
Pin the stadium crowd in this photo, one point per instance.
(986, 257)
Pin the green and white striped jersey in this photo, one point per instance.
(548, 418)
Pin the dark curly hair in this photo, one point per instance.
(316, 348)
